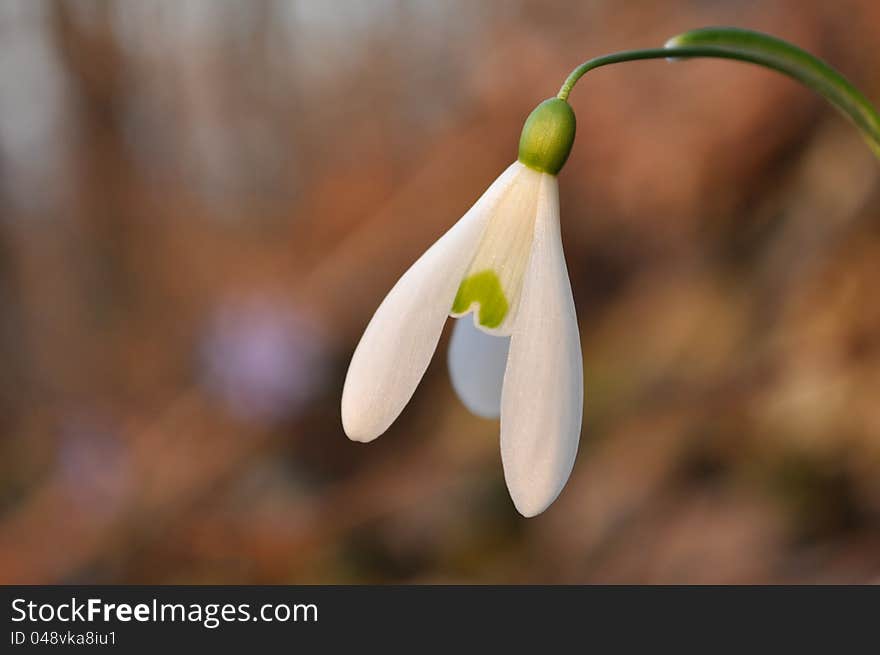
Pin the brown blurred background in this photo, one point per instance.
(202, 203)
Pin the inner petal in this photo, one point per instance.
(476, 367)
(492, 284)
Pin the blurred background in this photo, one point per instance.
(202, 204)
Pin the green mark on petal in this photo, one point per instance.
(483, 288)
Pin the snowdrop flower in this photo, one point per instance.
(519, 353)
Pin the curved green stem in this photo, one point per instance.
(760, 49)
(649, 53)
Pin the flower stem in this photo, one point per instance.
(760, 49)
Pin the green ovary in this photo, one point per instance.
(483, 288)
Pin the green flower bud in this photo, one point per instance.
(547, 136)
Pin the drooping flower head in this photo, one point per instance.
(518, 354)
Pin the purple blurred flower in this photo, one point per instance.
(262, 360)
(93, 463)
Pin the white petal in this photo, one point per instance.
(476, 367)
(397, 345)
(499, 265)
(542, 400)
